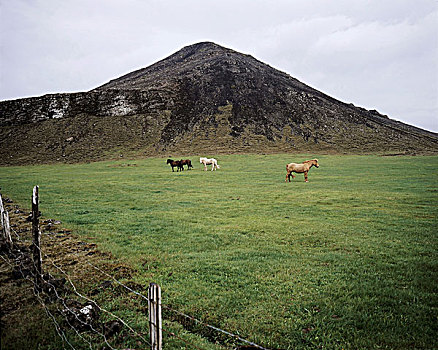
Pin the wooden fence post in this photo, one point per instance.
(36, 234)
(6, 227)
(1, 210)
(155, 322)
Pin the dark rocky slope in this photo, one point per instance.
(202, 99)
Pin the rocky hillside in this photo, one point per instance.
(203, 99)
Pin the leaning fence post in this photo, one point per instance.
(1, 211)
(155, 322)
(36, 234)
(6, 227)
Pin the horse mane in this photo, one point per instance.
(311, 162)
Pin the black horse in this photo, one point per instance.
(175, 163)
(187, 162)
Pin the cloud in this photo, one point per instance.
(390, 65)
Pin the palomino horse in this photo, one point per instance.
(304, 167)
(175, 163)
(208, 161)
(187, 162)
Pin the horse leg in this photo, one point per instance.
(305, 176)
(287, 176)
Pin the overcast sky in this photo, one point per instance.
(377, 54)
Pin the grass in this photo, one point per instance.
(348, 260)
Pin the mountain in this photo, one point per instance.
(203, 99)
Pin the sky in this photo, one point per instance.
(376, 54)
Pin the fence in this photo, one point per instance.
(81, 317)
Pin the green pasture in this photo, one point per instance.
(346, 261)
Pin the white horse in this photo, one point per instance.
(208, 161)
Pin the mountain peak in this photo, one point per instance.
(204, 97)
(188, 61)
(203, 45)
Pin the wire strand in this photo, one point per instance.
(217, 329)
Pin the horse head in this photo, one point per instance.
(169, 161)
(315, 162)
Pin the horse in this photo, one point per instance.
(300, 168)
(187, 162)
(175, 163)
(208, 161)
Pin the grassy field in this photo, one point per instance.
(346, 261)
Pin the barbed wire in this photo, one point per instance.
(62, 300)
(217, 329)
(94, 303)
(57, 326)
(179, 312)
(54, 288)
(67, 308)
(99, 307)
(91, 301)
(214, 328)
(185, 315)
(118, 282)
(172, 334)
